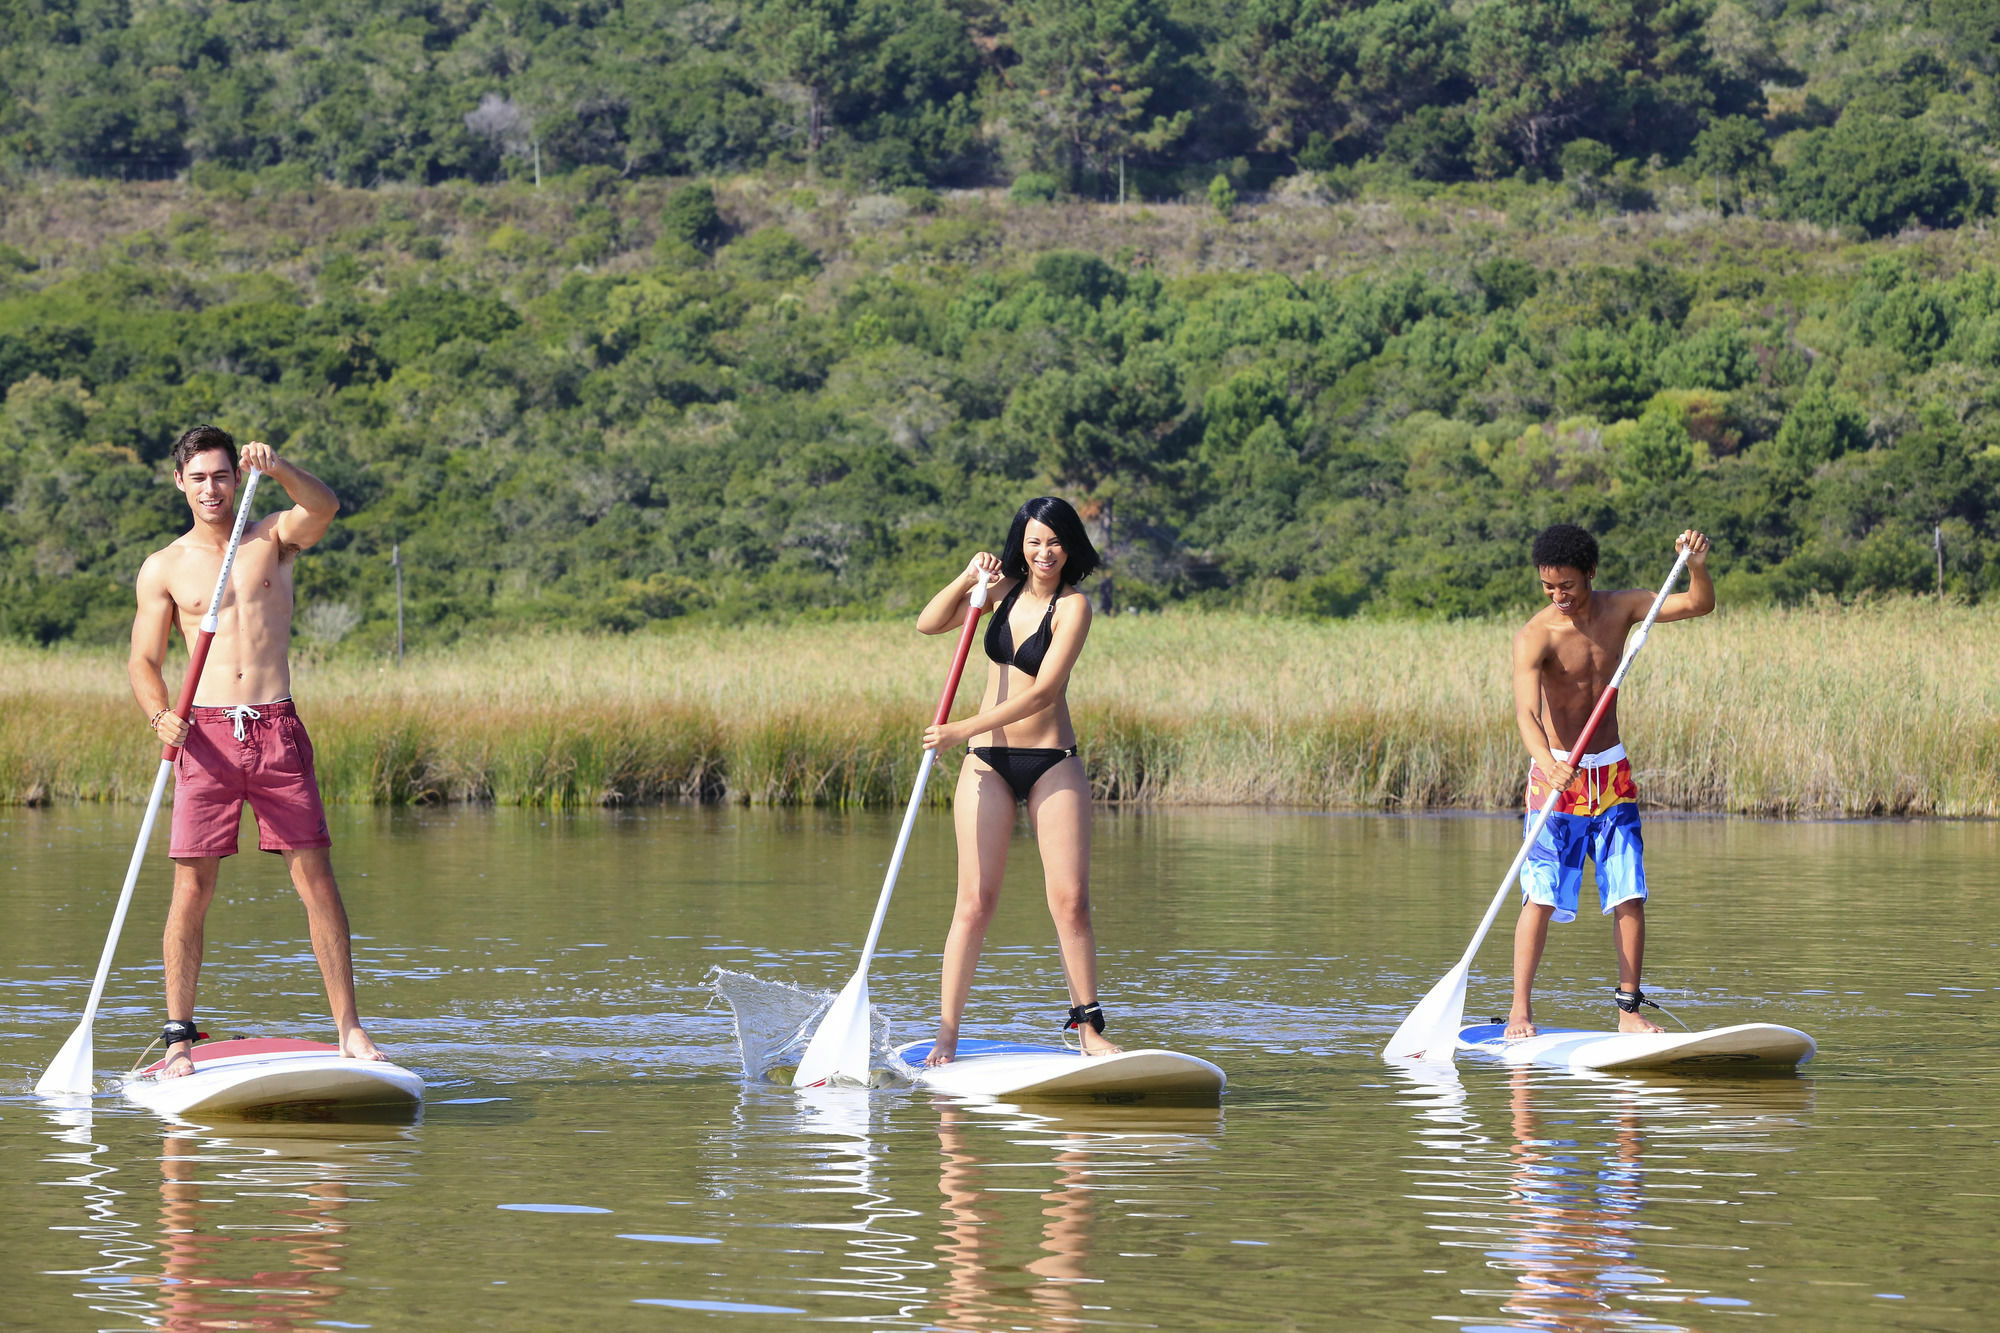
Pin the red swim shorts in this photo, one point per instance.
(256, 752)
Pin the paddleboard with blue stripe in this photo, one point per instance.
(1741, 1048)
(1015, 1071)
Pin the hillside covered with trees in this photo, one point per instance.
(1357, 332)
(1841, 112)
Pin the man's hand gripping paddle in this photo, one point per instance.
(840, 1047)
(72, 1073)
(1430, 1033)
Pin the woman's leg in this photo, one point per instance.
(1059, 809)
(982, 810)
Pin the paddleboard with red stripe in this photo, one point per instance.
(276, 1076)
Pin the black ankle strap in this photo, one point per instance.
(176, 1031)
(1080, 1014)
(1630, 1000)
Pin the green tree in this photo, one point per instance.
(1602, 374)
(1586, 169)
(1329, 80)
(1103, 430)
(1659, 449)
(1094, 82)
(1881, 175)
(1734, 149)
(1820, 428)
(690, 217)
(1636, 74)
(1222, 197)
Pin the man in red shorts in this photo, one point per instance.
(244, 741)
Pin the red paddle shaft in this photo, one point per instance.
(197, 659)
(958, 664)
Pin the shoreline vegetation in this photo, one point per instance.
(1889, 708)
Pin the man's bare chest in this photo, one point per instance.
(1575, 658)
(258, 580)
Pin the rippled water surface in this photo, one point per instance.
(589, 1156)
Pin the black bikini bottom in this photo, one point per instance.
(1021, 766)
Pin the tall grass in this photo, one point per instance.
(1891, 708)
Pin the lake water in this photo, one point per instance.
(589, 1156)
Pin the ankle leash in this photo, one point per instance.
(1628, 1001)
(1091, 1014)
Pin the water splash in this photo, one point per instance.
(775, 1020)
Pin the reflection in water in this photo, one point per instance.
(1020, 1193)
(878, 1262)
(119, 1247)
(1089, 1149)
(250, 1226)
(1559, 1203)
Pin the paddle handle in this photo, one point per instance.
(210, 620)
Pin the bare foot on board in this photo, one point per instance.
(1637, 1023)
(357, 1045)
(180, 1060)
(943, 1051)
(1096, 1043)
(1520, 1025)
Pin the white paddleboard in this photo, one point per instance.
(276, 1076)
(1743, 1048)
(1016, 1071)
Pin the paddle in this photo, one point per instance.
(839, 1048)
(72, 1071)
(1431, 1030)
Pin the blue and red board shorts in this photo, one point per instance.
(1596, 819)
(254, 752)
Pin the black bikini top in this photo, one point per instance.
(1028, 655)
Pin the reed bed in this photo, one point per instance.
(1884, 709)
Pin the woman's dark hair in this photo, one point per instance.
(1566, 544)
(1079, 556)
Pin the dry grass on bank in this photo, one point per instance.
(1886, 709)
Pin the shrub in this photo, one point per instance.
(1659, 448)
(691, 218)
(1881, 175)
(1222, 197)
(772, 255)
(1033, 187)
(1820, 428)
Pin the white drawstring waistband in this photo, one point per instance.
(238, 714)
(1589, 765)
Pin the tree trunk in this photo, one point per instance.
(1105, 601)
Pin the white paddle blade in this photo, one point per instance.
(73, 1072)
(1430, 1033)
(839, 1049)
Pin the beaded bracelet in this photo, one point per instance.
(153, 722)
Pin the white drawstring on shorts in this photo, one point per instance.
(238, 714)
(1594, 785)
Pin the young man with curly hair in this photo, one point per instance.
(1564, 658)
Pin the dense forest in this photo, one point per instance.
(608, 315)
(1839, 112)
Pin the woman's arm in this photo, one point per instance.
(947, 611)
(1071, 628)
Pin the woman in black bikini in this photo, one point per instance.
(1023, 749)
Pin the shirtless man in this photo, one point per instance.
(1563, 660)
(244, 739)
